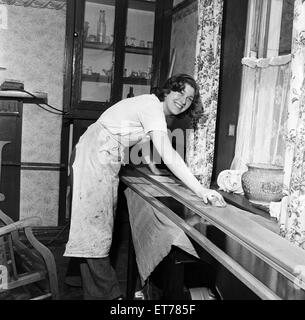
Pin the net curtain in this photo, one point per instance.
(263, 112)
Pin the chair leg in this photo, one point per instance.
(49, 261)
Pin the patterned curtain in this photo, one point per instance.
(200, 142)
(292, 222)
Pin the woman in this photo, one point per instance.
(98, 158)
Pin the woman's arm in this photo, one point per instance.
(144, 145)
(178, 167)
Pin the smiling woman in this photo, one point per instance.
(179, 92)
(98, 158)
(177, 102)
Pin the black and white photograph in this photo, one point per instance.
(152, 153)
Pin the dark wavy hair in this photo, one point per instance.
(177, 83)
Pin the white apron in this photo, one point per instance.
(94, 198)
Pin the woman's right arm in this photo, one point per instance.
(178, 167)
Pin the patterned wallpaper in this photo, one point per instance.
(32, 50)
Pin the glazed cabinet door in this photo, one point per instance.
(114, 50)
(93, 54)
(139, 42)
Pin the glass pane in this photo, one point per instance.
(98, 50)
(286, 27)
(138, 47)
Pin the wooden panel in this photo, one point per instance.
(254, 255)
(10, 145)
(233, 35)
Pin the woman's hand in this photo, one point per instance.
(212, 196)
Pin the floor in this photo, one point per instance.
(70, 281)
(68, 273)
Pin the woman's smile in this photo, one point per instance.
(177, 102)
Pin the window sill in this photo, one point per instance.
(259, 215)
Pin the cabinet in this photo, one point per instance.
(130, 52)
(11, 113)
(111, 47)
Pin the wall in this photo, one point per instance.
(233, 43)
(183, 39)
(32, 50)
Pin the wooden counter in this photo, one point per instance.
(247, 247)
(40, 97)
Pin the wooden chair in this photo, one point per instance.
(26, 264)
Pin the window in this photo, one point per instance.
(269, 30)
(264, 97)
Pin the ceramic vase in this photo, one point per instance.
(263, 183)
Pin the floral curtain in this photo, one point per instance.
(263, 112)
(292, 222)
(200, 142)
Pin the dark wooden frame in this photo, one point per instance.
(232, 50)
(11, 126)
(80, 113)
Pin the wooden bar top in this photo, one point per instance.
(257, 234)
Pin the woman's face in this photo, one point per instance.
(177, 102)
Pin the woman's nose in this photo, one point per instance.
(183, 100)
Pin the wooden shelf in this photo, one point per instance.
(142, 5)
(107, 47)
(133, 4)
(126, 80)
(96, 78)
(104, 2)
(138, 50)
(98, 46)
(136, 81)
(40, 97)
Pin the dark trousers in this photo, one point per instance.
(99, 279)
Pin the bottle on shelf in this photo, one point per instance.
(130, 93)
(101, 27)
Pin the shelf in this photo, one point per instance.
(136, 81)
(128, 49)
(40, 97)
(103, 2)
(138, 50)
(96, 77)
(127, 80)
(142, 5)
(133, 4)
(98, 46)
